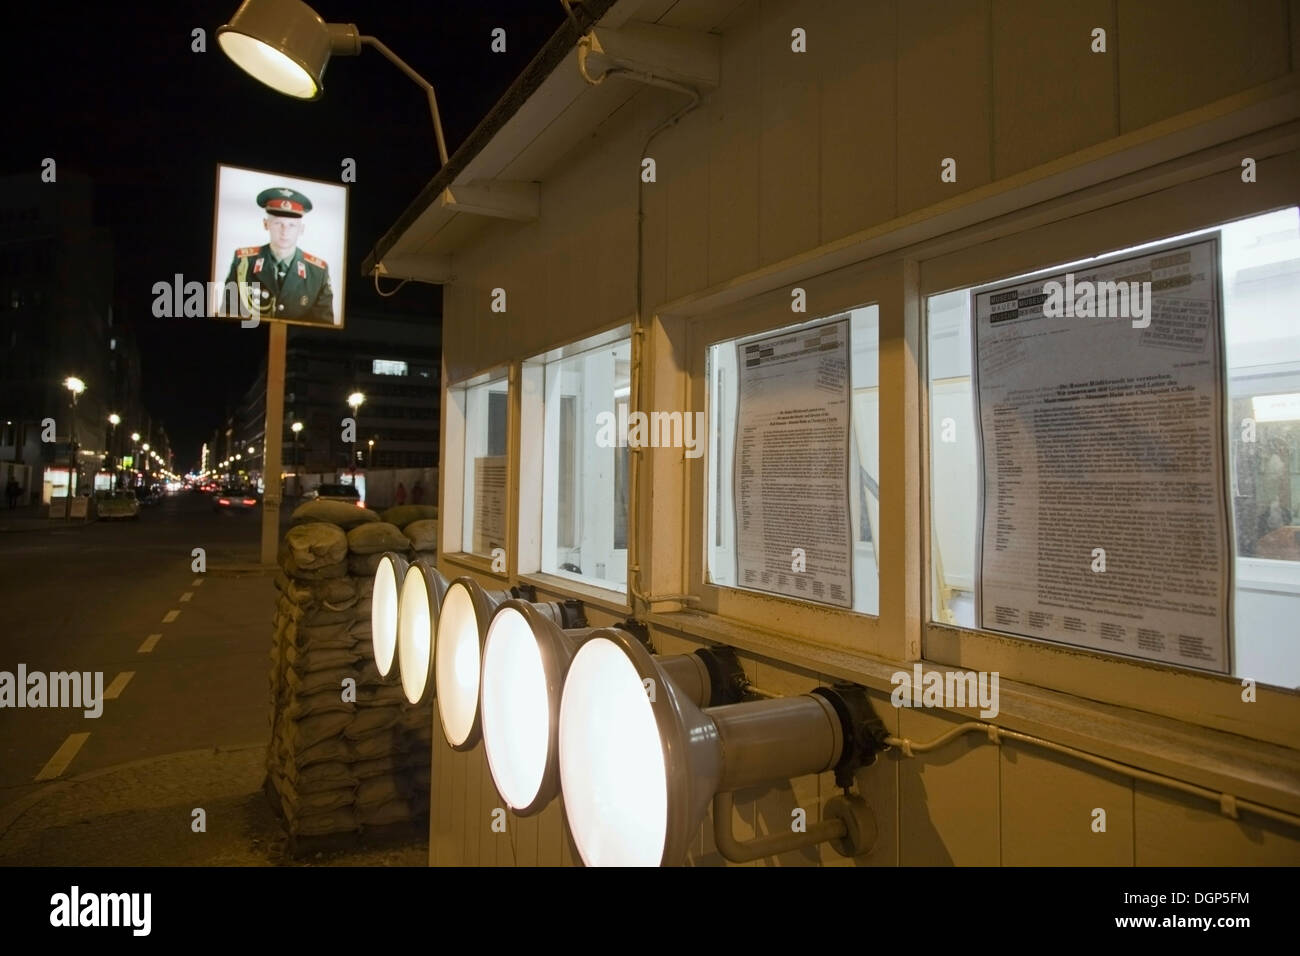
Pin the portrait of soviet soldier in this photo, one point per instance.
(293, 284)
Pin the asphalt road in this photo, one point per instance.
(187, 653)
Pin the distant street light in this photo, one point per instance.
(370, 456)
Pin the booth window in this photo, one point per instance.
(577, 397)
(1259, 284)
(793, 495)
(484, 406)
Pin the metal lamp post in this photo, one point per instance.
(76, 386)
(114, 419)
(354, 401)
(296, 428)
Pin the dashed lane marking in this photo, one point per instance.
(115, 689)
(62, 757)
(171, 616)
(149, 644)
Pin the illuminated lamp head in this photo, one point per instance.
(390, 574)
(417, 620)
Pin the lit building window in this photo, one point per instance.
(483, 405)
(579, 395)
(791, 467)
(1260, 282)
(387, 367)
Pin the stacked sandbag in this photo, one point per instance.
(346, 751)
(423, 535)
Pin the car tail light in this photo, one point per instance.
(250, 501)
(223, 501)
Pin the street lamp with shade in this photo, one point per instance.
(296, 428)
(76, 386)
(286, 45)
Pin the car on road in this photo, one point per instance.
(234, 498)
(146, 495)
(347, 494)
(117, 504)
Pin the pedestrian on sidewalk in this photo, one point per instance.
(401, 493)
(417, 494)
(12, 491)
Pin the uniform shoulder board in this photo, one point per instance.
(315, 260)
(247, 251)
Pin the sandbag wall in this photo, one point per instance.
(347, 751)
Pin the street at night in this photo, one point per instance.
(184, 657)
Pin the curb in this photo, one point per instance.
(12, 813)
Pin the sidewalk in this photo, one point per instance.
(35, 518)
(140, 814)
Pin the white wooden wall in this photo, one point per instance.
(793, 152)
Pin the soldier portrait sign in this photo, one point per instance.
(279, 242)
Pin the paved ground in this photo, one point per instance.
(187, 654)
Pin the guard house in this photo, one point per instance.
(753, 342)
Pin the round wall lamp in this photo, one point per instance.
(638, 770)
(384, 600)
(526, 657)
(417, 617)
(467, 611)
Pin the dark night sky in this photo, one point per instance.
(113, 90)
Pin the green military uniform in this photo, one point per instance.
(296, 289)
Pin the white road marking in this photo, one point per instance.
(62, 757)
(149, 644)
(171, 616)
(197, 582)
(115, 689)
(187, 595)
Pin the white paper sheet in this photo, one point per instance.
(792, 464)
(1101, 439)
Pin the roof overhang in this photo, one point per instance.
(496, 172)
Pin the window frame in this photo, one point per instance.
(452, 471)
(1162, 210)
(883, 634)
(530, 477)
(1145, 186)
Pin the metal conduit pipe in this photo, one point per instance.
(638, 336)
(1229, 805)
